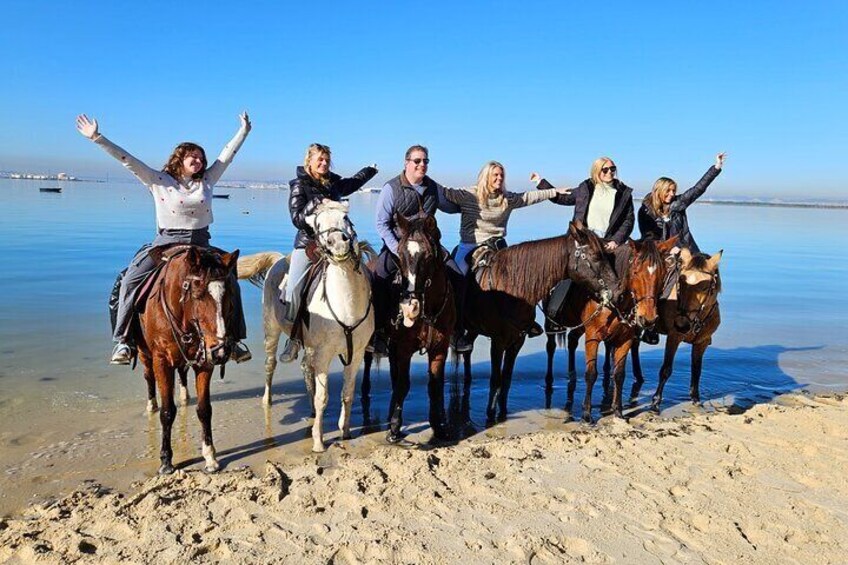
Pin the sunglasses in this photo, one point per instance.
(418, 161)
(606, 170)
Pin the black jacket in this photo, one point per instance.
(622, 217)
(652, 227)
(306, 193)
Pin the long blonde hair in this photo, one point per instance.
(655, 200)
(311, 151)
(597, 165)
(484, 189)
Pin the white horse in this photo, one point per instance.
(341, 319)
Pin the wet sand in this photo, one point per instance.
(765, 485)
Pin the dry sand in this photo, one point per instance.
(765, 486)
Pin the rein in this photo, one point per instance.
(348, 330)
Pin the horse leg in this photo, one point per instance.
(698, 350)
(184, 395)
(620, 354)
(204, 414)
(436, 392)
(348, 392)
(608, 355)
(671, 345)
(591, 376)
(506, 376)
(320, 404)
(146, 363)
(550, 349)
(400, 388)
(366, 378)
(495, 383)
(573, 341)
(466, 386)
(168, 412)
(272, 340)
(638, 379)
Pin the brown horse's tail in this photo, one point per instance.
(254, 267)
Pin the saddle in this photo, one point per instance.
(305, 288)
(482, 256)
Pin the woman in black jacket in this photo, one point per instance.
(663, 211)
(313, 184)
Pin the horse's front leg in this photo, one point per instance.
(184, 395)
(550, 349)
(308, 368)
(506, 376)
(436, 391)
(591, 375)
(572, 342)
(672, 342)
(399, 368)
(619, 352)
(495, 381)
(204, 414)
(348, 392)
(150, 378)
(638, 379)
(698, 350)
(320, 404)
(164, 373)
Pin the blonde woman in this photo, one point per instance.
(663, 211)
(314, 183)
(486, 210)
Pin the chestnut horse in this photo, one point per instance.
(501, 299)
(641, 266)
(183, 325)
(422, 319)
(690, 315)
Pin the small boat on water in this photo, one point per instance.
(50, 189)
(220, 196)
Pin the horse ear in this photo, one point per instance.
(685, 256)
(667, 245)
(401, 222)
(193, 257)
(712, 263)
(230, 260)
(156, 254)
(430, 223)
(575, 228)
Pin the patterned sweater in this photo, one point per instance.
(481, 223)
(180, 203)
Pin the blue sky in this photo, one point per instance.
(547, 86)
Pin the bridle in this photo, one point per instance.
(321, 237)
(194, 336)
(604, 296)
(697, 316)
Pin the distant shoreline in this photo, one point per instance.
(824, 205)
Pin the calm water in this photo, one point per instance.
(67, 416)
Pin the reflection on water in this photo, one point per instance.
(66, 416)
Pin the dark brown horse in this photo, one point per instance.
(422, 318)
(501, 299)
(641, 266)
(183, 325)
(690, 315)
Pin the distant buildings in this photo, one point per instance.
(38, 176)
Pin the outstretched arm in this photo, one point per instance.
(535, 196)
(214, 173)
(444, 203)
(346, 187)
(684, 200)
(90, 129)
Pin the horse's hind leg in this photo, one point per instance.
(550, 349)
(671, 345)
(272, 340)
(698, 350)
(620, 355)
(573, 341)
(365, 393)
(506, 376)
(152, 405)
(495, 380)
(591, 376)
(308, 368)
(184, 395)
(204, 414)
(436, 392)
(466, 387)
(168, 412)
(638, 379)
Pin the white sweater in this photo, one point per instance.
(184, 203)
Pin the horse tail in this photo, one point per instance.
(255, 267)
(366, 251)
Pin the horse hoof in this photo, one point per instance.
(212, 468)
(655, 408)
(319, 448)
(696, 401)
(347, 436)
(501, 417)
(618, 414)
(152, 408)
(394, 437)
(166, 469)
(587, 418)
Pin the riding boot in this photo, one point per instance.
(535, 329)
(292, 347)
(122, 354)
(462, 342)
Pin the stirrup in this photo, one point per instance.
(122, 354)
(290, 351)
(535, 330)
(463, 343)
(240, 353)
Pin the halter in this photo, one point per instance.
(194, 337)
(350, 233)
(697, 321)
(580, 254)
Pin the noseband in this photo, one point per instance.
(696, 316)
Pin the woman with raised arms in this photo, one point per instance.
(182, 195)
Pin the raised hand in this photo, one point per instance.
(373, 166)
(245, 121)
(535, 178)
(87, 127)
(720, 160)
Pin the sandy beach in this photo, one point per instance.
(762, 486)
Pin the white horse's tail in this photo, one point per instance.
(366, 251)
(255, 267)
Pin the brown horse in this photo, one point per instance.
(501, 299)
(642, 269)
(423, 316)
(183, 325)
(691, 315)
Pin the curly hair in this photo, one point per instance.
(174, 166)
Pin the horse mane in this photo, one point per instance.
(509, 267)
(649, 253)
(332, 205)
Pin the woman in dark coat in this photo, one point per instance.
(663, 211)
(314, 183)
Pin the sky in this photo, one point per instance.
(660, 87)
